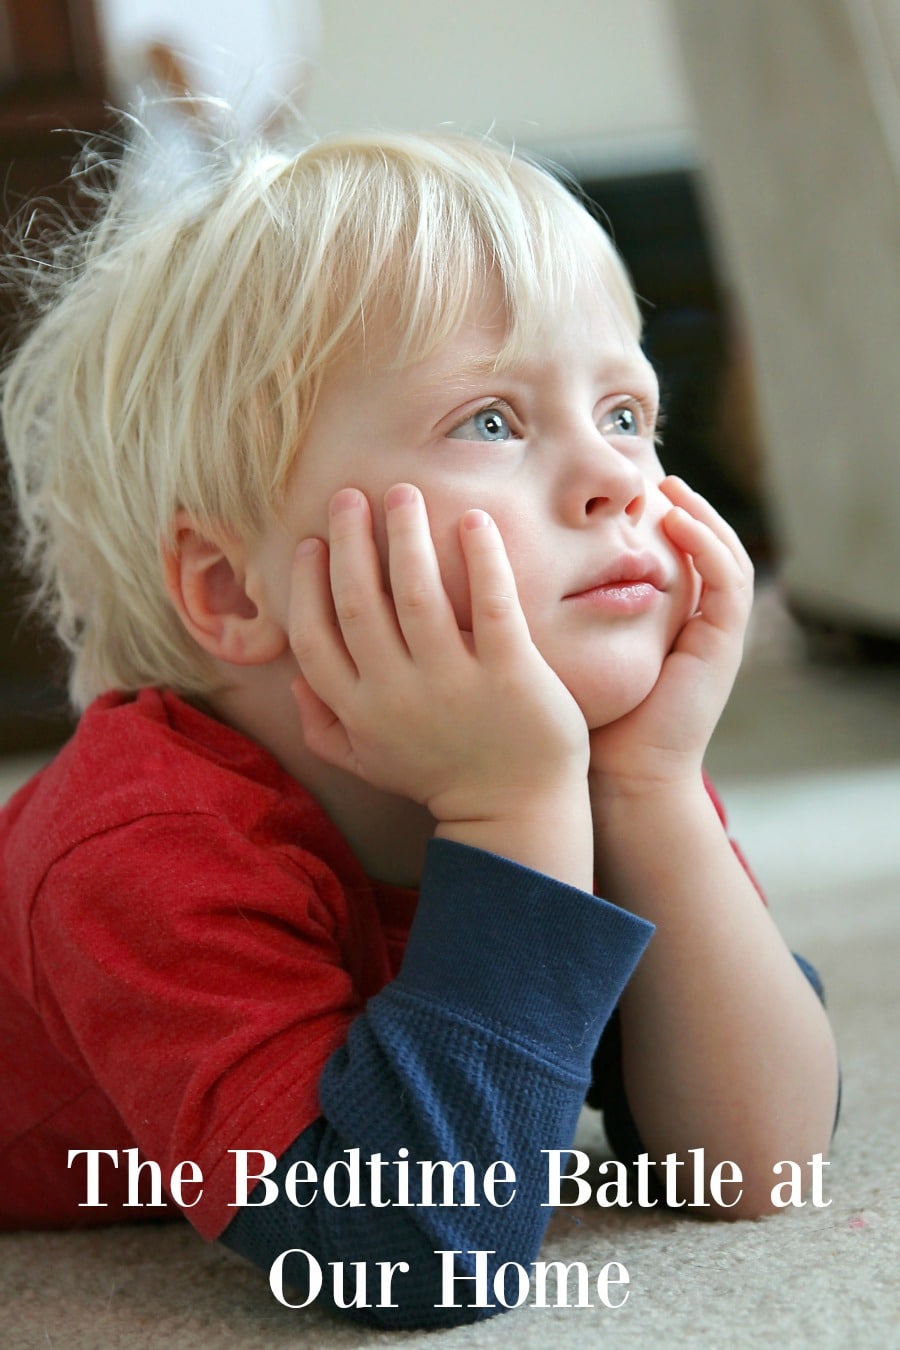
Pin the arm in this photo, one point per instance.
(476, 1051)
(607, 1090)
(725, 1045)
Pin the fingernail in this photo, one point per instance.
(307, 546)
(476, 520)
(348, 499)
(399, 495)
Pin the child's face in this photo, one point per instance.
(559, 450)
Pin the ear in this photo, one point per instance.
(205, 579)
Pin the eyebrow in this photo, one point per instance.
(473, 370)
(612, 369)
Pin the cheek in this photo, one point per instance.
(444, 515)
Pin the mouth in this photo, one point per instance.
(629, 584)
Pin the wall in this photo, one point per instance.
(599, 77)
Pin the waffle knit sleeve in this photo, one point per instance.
(478, 1053)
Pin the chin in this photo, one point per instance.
(617, 698)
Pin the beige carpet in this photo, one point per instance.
(809, 760)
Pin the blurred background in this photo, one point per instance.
(746, 156)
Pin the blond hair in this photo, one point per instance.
(180, 346)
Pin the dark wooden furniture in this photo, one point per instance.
(51, 87)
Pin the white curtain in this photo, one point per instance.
(797, 106)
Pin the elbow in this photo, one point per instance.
(752, 1171)
(754, 1203)
(784, 1164)
(771, 1182)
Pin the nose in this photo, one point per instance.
(601, 481)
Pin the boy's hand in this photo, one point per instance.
(475, 726)
(664, 739)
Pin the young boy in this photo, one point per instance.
(395, 649)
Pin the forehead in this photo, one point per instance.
(585, 334)
(588, 321)
(590, 324)
(592, 291)
(425, 287)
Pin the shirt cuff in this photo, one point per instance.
(540, 961)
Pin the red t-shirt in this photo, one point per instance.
(184, 941)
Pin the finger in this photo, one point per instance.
(423, 609)
(727, 587)
(499, 629)
(323, 732)
(681, 495)
(364, 613)
(313, 632)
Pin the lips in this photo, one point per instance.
(627, 571)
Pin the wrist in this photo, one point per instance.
(550, 832)
(671, 774)
(645, 842)
(640, 808)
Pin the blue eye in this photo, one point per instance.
(622, 421)
(490, 424)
